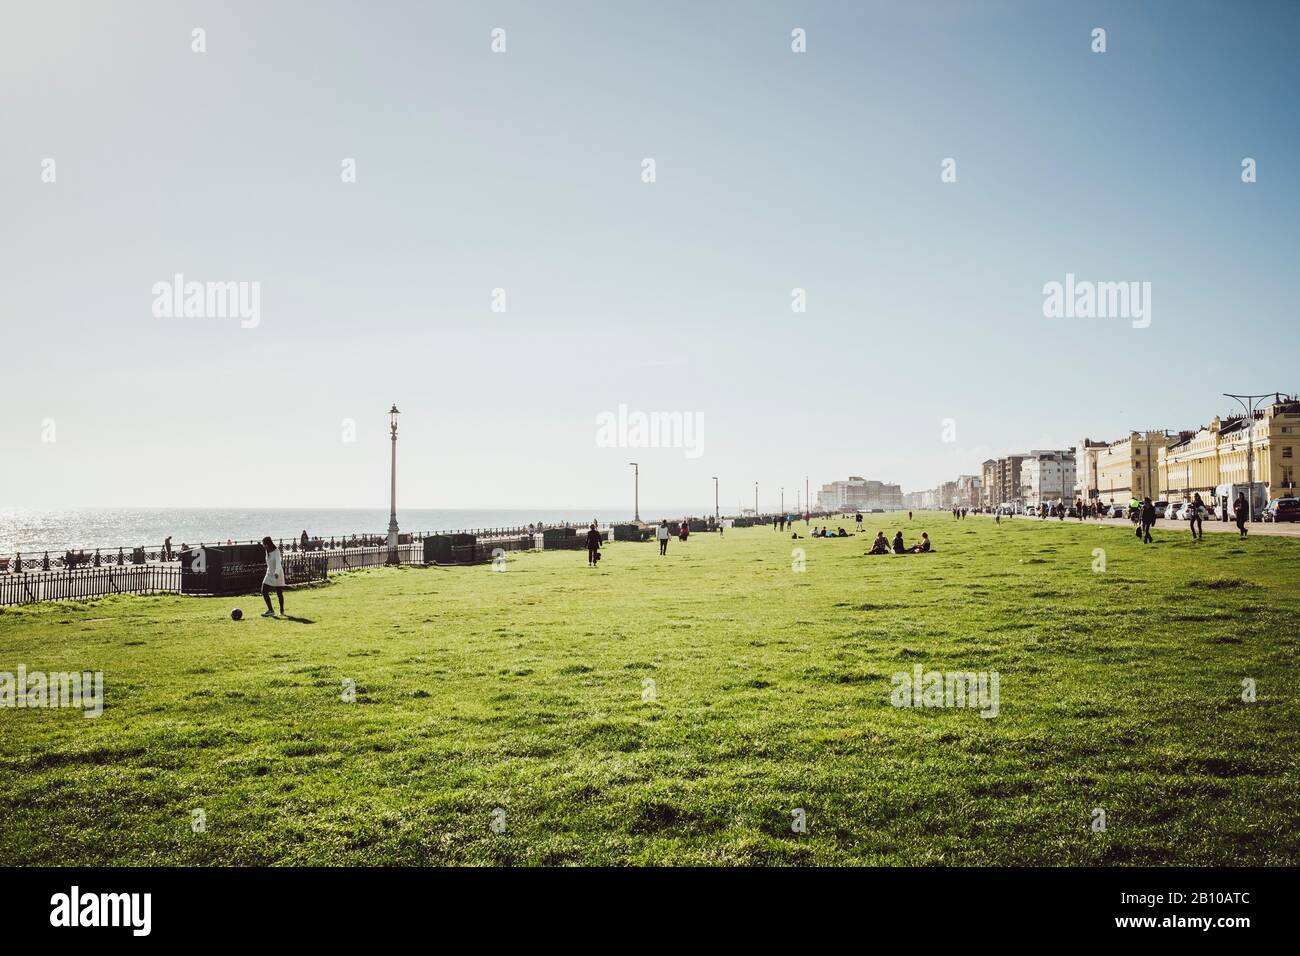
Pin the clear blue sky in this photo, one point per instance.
(522, 171)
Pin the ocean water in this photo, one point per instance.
(31, 531)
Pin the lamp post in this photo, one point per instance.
(807, 502)
(716, 515)
(1248, 402)
(392, 500)
(756, 499)
(782, 501)
(636, 491)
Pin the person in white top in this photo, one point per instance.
(274, 576)
(662, 533)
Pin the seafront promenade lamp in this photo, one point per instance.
(636, 491)
(392, 500)
(716, 516)
(1250, 403)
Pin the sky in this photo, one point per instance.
(924, 347)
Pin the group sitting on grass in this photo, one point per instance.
(882, 546)
(828, 533)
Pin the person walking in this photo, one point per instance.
(593, 546)
(1147, 517)
(662, 533)
(1241, 511)
(274, 576)
(1196, 512)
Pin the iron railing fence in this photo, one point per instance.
(79, 583)
(137, 555)
(156, 571)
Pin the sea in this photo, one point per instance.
(29, 531)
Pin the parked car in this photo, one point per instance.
(1282, 509)
(1174, 512)
(1117, 511)
(1161, 508)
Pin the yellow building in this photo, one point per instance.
(1220, 454)
(1129, 468)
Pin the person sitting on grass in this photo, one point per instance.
(880, 545)
(899, 547)
(842, 534)
(922, 546)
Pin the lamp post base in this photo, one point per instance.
(392, 542)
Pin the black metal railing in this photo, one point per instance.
(162, 570)
(78, 583)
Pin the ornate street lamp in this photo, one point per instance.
(392, 508)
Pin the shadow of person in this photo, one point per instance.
(296, 620)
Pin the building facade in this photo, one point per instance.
(1129, 468)
(1047, 476)
(1085, 468)
(968, 492)
(859, 494)
(1229, 451)
(989, 484)
(1009, 480)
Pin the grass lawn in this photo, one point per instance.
(523, 690)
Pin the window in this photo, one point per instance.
(1286, 451)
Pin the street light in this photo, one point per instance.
(1248, 402)
(716, 515)
(782, 501)
(636, 491)
(756, 499)
(392, 501)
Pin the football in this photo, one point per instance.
(236, 614)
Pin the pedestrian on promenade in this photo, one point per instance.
(593, 545)
(909, 516)
(1147, 517)
(662, 534)
(274, 576)
(1241, 511)
(1194, 518)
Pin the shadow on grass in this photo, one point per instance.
(297, 620)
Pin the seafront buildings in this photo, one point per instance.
(1047, 476)
(1221, 453)
(1166, 465)
(859, 494)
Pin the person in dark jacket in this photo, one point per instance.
(1196, 512)
(593, 545)
(1241, 511)
(1146, 517)
(899, 547)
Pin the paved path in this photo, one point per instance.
(1288, 529)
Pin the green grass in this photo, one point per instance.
(523, 691)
